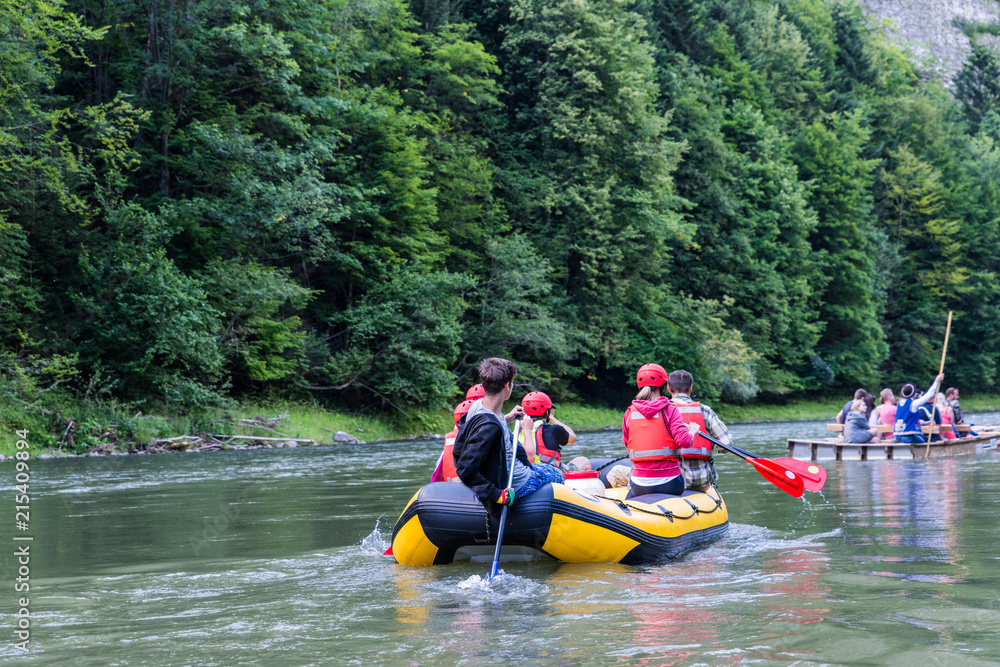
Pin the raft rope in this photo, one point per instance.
(609, 463)
(670, 515)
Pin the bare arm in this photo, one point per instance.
(572, 434)
(529, 443)
(931, 392)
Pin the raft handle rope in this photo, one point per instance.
(612, 462)
(670, 515)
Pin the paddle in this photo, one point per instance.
(781, 476)
(813, 477)
(503, 514)
(944, 351)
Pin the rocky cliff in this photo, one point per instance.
(931, 29)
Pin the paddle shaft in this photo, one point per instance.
(944, 351)
(503, 514)
(781, 476)
(742, 453)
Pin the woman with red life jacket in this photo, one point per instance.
(445, 471)
(548, 433)
(654, 433)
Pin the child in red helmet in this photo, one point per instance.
(548, 434)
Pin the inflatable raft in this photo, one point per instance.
(444, 522)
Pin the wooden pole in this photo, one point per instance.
(944, 351)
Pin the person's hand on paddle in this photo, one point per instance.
(516, 413)
(693, 429)
(506, 497)
(940, 378)
(527, 424)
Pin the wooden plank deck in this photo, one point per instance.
(835, 449)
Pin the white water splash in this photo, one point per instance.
(374, 544)
(477, 582)
(504, 586)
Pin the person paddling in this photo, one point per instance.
(907, 426)
(445, 470)
(548, 433)
(697, 465)
(654, 434)
(484, 444)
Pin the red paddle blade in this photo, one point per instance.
(777, 474)
(813, 476)
(388, 552)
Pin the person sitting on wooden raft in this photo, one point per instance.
(907, 427)
(857, 427)
(887, 411)
(947, 417)
(654, 433)
(951, 396)
(929, 416)
(841, 417)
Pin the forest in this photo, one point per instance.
(354, 201)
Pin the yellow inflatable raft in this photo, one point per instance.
(445, 522)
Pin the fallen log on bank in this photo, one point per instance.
(209, 442)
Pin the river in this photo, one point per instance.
(273, 557)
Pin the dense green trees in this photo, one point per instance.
(355, 200)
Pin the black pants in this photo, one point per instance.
(674, 487)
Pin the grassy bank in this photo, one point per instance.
(103, 424)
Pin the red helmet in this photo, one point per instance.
(475, 391)
(535, 403)
(651, 375)
(461, 409)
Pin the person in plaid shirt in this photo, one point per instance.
(699, 474)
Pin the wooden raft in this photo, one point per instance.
(835, 449)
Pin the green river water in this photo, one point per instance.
(273, 557)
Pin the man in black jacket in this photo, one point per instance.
(484, 443)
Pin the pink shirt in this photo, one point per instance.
(946, 420)
(887, 416)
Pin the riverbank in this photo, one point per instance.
(104, 429)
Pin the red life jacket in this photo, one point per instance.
(649, 439)
(448, 470)
(542, 453)
(700, 449)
